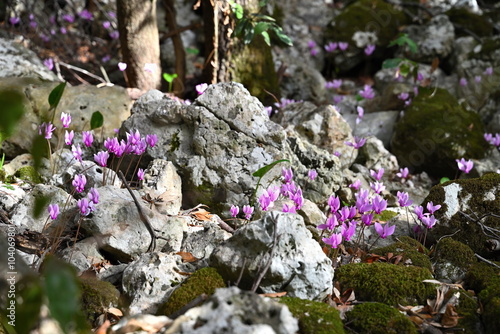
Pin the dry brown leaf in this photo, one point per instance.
(201, 214)
(187, 257)
(416, 319)
(274, 295)
(343, 309)
(103, 328)
(450, 317)
(116, 312)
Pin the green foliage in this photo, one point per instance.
(444, 179)
(250, 25)
(170, 79)
(12, 103)
(378, 318)
(55, 97)
(263, 171)
(314, 317)
(2, 161)
(402, 40)
(409, 249)
(39, 150)
(386, 283)
(205, 280)
(97, 120)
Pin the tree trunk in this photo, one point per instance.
(139, 43)
(180, 53)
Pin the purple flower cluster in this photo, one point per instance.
(427, 219)
(493, 139)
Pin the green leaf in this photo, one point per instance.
(262, 17)
(261, 27)
(262, 3)
(240, 26)
(391, 63)
(237, 10)
(262, 171)
(282, 36)
(97, 120)
(444, 179)
(404, 39)
(39, 150)
(404, 69)
(2, 160)
(56, 94)
(248, 35)
(63, 294)
(193, 51)
(169, 77)
(265, 35)
(29, 299)
(12, 110)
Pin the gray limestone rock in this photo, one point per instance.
(162, 184)
(298, 266)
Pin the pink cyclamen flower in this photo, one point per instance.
(140, 174)
(53, 211)
(93, 195)
(369, 49)
(331, 46)
(429, 220)
(334, 203)
(14, 20)
(151, 140)
(403, 173)
(379, 204)
(88, 138)
(86, 15)
(358, 142)
(289, 208)
(477, 79)
(355, 185)
(404, 199)
(68, 18)
(79, 182)
(311, 44)
(150, 67)
(419, 211)
(432, 208)
(122, 66)
(77, 152)
(106, 24)
(312, 174)
(265, 201)
(346, 213)
(367, 218)
(46, 130)
(334, 240)
(367, 92)
(404, 96)
(377, 175)
(465, 166)
(463, 82)
(298, 199)
(101, 158)
(234, 211)
(133, 138)
(314, 52)
(330, 224)
(68, 137)
(343, 46)
(201, 88)
(287, 174)
(248, 211)
(115, 34)
(488, 71)
(84, 206)
(377, 187)
(385, 230)
(65, 119)
(348, 230)
(49, 63)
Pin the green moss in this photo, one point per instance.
(467, 310)
(472, 192)
(385, 215)
(378, 318)
(314, 317)
(253, 66)
(409, 249)
(174, 143)
(2, 175)
(464, 19)
(97, 297)
(484, 279)
(205, 281)
(28, 173)
(435, 131)
(386, 283)
(376, 16)
(455, 253)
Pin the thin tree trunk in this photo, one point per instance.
(180, 54)
(139, 42)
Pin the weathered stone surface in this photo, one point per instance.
(79, 101)
(298, 266)
(235, 311)
(10, 196)
(151, 279)
(163, 184)
(374, 156)
(378, 124)
(122, 235)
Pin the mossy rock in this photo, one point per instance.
(484, 279)
(409, 249)
(464, 19)
(452, 260)
(490, 47)
(435, 131)
(253, 66)
(314, 317)
(3, 175)
(378, 318)
(386, 283)
(203, 281)
(467, 310)
(97, 297)
(376, 16)
(28, 173)
(476, 196)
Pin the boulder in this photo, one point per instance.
(298, 264)
(162, 184)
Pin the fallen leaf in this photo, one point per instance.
(450, 317)
(116, 312)
(274, 295)
(201, 214)
(187, 257)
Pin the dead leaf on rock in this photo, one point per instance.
(274, 295)
(187, 257)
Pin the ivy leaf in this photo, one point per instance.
(262, 171)
(391, 63)
(56, 94)
(97, 120)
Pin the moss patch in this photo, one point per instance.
(378, 318)
(464, 19)
(29, 174)
(409, 249)
(473, 192)
(435, 131)
(205, 281)
(452, 259)
(314, 317)
(386, 283)
(97, 297)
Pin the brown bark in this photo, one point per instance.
(180, 54)
(139, 42)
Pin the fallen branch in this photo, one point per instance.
(487, 261)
